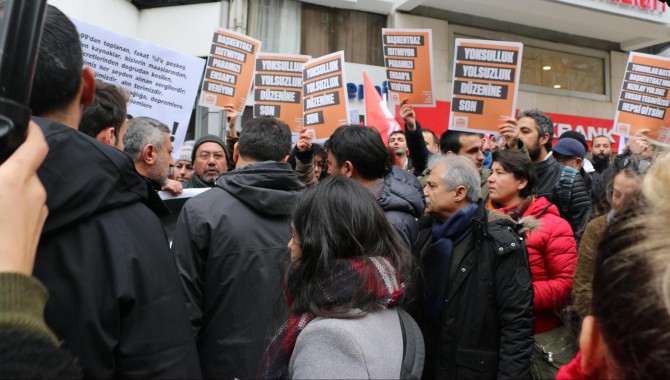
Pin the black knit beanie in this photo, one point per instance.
(208, 138)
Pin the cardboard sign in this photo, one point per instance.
(408, 57)
(278, 88)
(163, 82)
(230, 70)
(645, 98)
(325, 105)
(485, 84)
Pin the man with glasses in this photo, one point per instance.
(638, 155)
(209, 162)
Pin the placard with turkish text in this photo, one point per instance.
(230, 70)
(325, 105)
(485, 84)
(408, 57)
(644, 99)
(278, 88)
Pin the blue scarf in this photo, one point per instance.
(446, 236)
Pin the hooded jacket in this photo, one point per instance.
(552, 254)
(401, 198)
(573, 201)
(486, 327)
(229, 243)
(114, 299)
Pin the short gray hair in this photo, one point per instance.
(460, 171)
(141, 132)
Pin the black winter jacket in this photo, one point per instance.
(229, 243)
(486, 329)
(115, 297)
(577, 210)
(401, 199)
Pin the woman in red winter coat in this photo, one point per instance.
(552, 252)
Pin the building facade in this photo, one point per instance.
(575, 51)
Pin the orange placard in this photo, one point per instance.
(278, 87)
(408, 57)
(230, 70)
(485, 84)
(644, 99)
(325, 105)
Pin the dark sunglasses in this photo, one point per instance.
(638, 166)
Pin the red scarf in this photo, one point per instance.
(515, 211)
(383, 284)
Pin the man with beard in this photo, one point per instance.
(114, 294)
(564, 188)
(601, 153)
(209, 161)
(601, 156)
(149, 145)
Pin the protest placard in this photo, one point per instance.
(644, 100)
(230, 70)
(408, 57)
(485, 84)
(278, 88)
(325, 105)
(163, 82)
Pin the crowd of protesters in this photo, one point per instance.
(410, 255)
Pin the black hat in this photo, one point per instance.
(569, 147)
(207, 138)
(577, 136)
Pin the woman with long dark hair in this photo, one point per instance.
(347, 274)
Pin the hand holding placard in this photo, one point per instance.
(510, 133)
(408, 115)
(304, 141)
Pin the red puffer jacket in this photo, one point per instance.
(552, 254)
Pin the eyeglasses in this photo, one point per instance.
(638, 166)
(218, 156)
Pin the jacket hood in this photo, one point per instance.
(268, 187)
(523, 227)
(402, 192)
(84, 177)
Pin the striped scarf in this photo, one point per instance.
(383, 284)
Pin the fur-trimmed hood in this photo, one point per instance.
(524, 226)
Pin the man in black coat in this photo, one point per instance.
(229, 243)
(114, 293)
(564, 188)
(359, 153)
(476, 307)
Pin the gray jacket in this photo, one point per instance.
(370, 347)
(401, 199)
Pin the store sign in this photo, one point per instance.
(650, 10)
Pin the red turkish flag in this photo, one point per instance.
(377, 115)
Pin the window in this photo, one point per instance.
(556, 69)
(553, 68)
(327, 30)
(276, 23)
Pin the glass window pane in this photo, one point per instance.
(555, 69)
